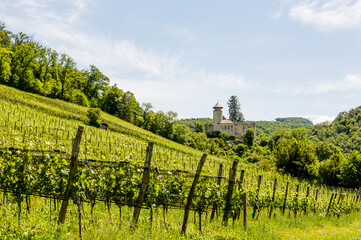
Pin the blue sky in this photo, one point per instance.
(281, 58)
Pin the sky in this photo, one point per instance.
(281, 58)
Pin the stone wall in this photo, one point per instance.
(241, 127)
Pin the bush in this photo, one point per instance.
(80, 98)
(330, 170)
(296, 157)
(248, 137)
(93, 115)
(351, 170)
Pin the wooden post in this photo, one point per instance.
(273, 197)
(191, 193)
(143, 188)
(316, 201)
(231, 181)
(285, 200)
(73, 169)
(241, 178)
(257, 192)
(215, 206)
(79, 220)
(245, 210)
(329, 205)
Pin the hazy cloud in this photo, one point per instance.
(326, 15)
(316, 119)
(351, 82)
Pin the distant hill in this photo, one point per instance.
(266, 127)
(269, 127)
(296, 120)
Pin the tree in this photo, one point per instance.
(93, 115)
(351, 170)
(248, 137)
(234, 109)
(128, 107)
(66, 66)
(95, 84)
(111, 100)
(199, 127)
(296, 157)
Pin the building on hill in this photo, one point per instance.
(221, 124)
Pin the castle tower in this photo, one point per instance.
(217, 116)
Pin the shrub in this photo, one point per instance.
(93, 115)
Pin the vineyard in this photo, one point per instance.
(44, 154)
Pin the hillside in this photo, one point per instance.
(344, 131)
(36, 137)
(265, 127)
(77, 114)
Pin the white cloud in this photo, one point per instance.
(316, 119)
(351, 82)
(326, 15)
(119, 59)
(349, 86)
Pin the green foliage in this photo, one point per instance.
(270, 127)
(330, 170)
(199, 127)
(351, 170)
(225, 136)
(325, 150)
(248, 137)
(240, 149)
(343, 132)
(296, 157)
(80, 98)
(192, 122)
(93, 116)
(296, 120)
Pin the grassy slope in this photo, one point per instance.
(71, 111)
(77, 113)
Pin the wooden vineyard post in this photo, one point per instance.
(245, 210)
(316, 201)
(329, 205)
(143, 187)
(273, 197)
(257, 192)
(231, 181)
(285, 200)
(73, 169)
(240, 183)
(219, 179)
(191, 193)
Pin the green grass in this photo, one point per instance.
(37, 225)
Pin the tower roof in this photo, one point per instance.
(217, 106)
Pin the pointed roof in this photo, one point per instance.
(217, 106)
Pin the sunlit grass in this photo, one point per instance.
(39, 225)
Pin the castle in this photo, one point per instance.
(221, 124)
